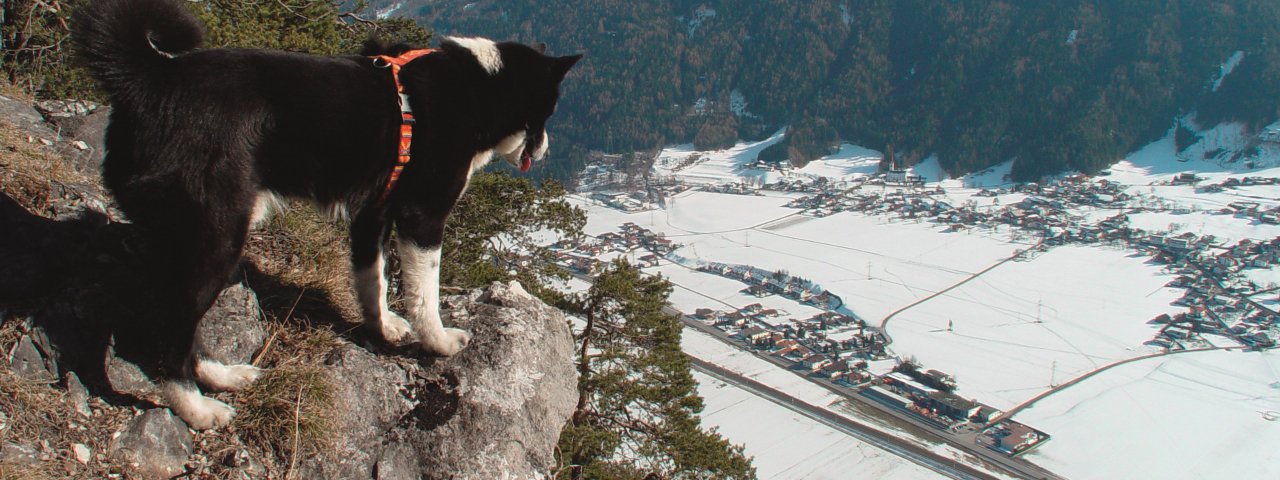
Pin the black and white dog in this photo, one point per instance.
(202, 143)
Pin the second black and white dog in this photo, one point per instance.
(203, 142)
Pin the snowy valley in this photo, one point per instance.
(1121, 325)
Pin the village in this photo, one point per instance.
(836, 347)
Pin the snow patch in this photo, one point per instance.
(385, 13)
(700, 15)
(738, 105)
(1227, 67)
(930, 169)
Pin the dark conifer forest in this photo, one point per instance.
(1054, 85)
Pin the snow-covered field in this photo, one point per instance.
(786, 445)
(1187, 416)
(1026, 325)
(1007, 335)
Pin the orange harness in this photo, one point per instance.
(406, 114)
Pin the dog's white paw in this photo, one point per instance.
(216, 376)
(452, 342)
(200, 412)
(394, 328)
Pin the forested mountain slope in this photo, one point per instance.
(1068, 84)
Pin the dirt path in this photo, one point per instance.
(885, 323)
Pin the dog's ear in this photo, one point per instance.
(540, 48)
(563, 64)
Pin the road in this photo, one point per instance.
(897, 446)
(964, 441)
(885, 323)
(1022, 406)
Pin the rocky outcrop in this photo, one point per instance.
(484, 413)
(495, 410)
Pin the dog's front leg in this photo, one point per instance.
(368, 262)
(420, 279)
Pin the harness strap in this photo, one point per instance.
(406, 114)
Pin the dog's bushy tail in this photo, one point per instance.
(124, 42)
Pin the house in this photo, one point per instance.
(650, 260)
(781, 346)
(953, 405)
(1016, 437)
(736, 319)
(985, 414)
(814, 362)
(940, 378)
(908, 385)
(798, 353)
(756, 335)
(887, 397)
(1184, 178)
(833, 370)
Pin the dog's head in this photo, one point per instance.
(526, 87)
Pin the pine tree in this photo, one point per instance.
(637, 416)
(494, 232)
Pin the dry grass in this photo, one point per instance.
(37, 412)
(27, 169)
(301, 249)
(15, 92)
(290, 411)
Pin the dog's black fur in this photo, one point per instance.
(197, 135)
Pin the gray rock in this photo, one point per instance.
(493, 411)
(78, 395)
(70, 108)
(517, 388)
(27, 361)
(126, 377)
(82, 138)
(25, 117)
(156, 441)
(372, 401)
(232, 332)
(81, 452)
(17, 453)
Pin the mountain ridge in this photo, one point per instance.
(1071, 85)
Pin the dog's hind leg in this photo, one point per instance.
(198, 243)
(419, 246)
(368, 262)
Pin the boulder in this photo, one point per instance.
(494, 410)
(27, 361)
(232, 331)
(155, 443)
(25, 117)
